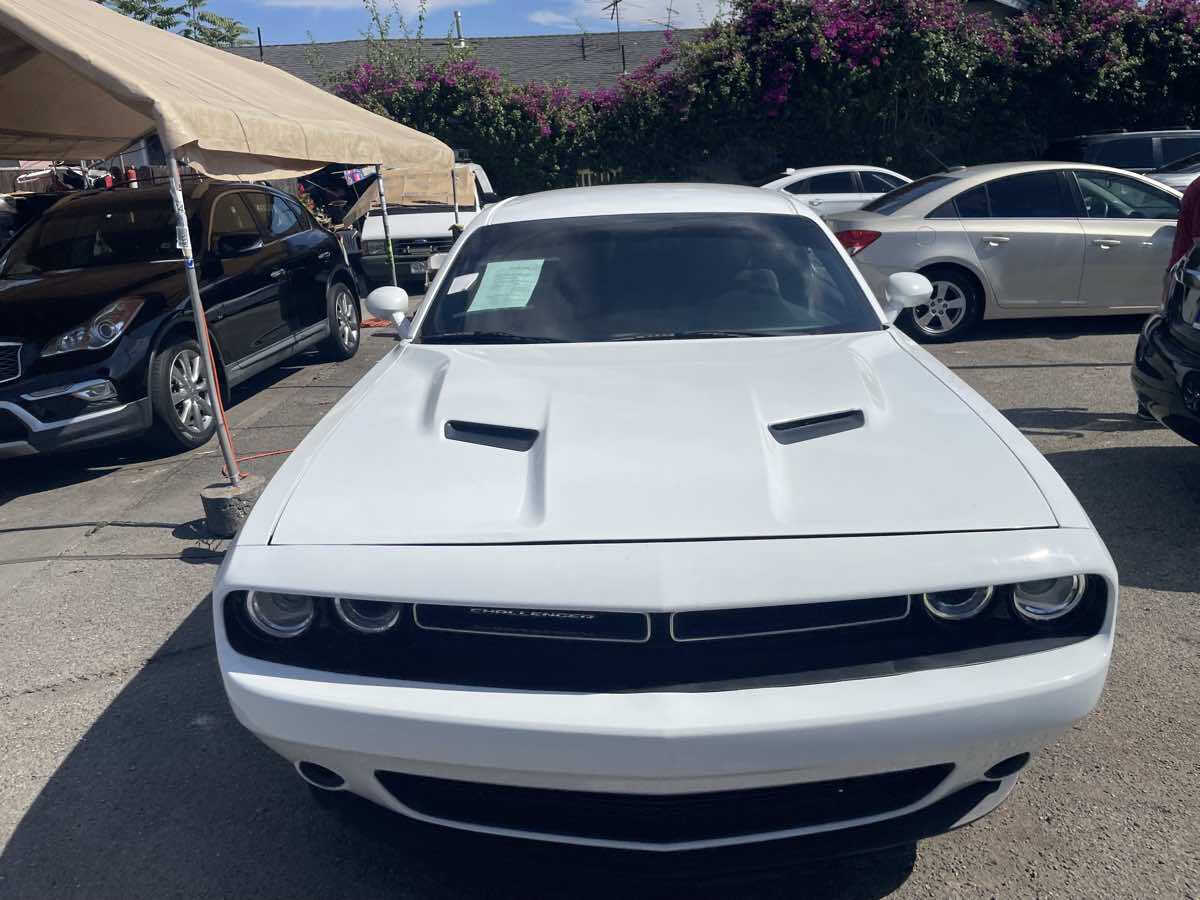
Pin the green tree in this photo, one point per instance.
(159, 13)
(187, 16)
(211, 28)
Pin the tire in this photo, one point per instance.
(954, 309)
(180, 397)
(345, 322)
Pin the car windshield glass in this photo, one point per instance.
(94, 234)
(1186, 164)
(646, 277)
(902, 196)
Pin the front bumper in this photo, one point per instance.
(378, 271)
(1166, 379)
(667, 744)
(42, 416)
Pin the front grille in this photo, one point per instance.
(10, 361)
(421, 247)
(11, 428)
(663, 819)
(827, 642)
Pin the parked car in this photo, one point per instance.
(830, 189)
(1179, 174)
(97, 338)
(418, 232)
(1166, 367)
(1134, 151)
(1018, 240)
(656, 583)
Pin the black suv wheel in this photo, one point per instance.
(344, 322)
(181, 396)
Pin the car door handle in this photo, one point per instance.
(815, 202)
(1106, 243)
(325, 255)
(279, 273)
(995, 240)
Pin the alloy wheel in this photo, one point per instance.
(190, 394)
(346, 321)
(945, 310)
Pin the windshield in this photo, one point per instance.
(95, 235)
(1186, 164)
(646, 277)
(906, 194)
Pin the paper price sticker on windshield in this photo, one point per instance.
(507, 285)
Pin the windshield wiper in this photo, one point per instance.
(684, 335)
(487, 337)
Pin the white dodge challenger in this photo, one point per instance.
(683, 545)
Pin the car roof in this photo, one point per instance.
(800, 174)
(626, 199)
(961, 179)
(1097, 136)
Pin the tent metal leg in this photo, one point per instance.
(387, 230)
(206, 355)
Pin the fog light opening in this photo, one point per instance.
(319, 776)
(1006, 767)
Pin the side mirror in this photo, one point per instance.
(391, 303)
(231, 246)
(904, 291)
(437, 261)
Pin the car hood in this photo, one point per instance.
(415, 224)
(655, 441)
(39, 307)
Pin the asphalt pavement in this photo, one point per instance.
(124, 774)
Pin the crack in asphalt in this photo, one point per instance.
(119, 672)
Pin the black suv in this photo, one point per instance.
(1166, 365)
(1133, 151)
(97, 338)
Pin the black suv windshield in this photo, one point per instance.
(906, 194)
(90, 234)
(646, 277)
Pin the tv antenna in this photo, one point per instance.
(614, 8)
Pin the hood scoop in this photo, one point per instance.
(797, 430)
(503, 437)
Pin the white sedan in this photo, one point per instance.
(690, 548)
(830, 189)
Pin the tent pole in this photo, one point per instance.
(387, 229)
(206, 356)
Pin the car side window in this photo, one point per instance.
(230, 216)
(1126, 153)
(832, 183)
(878, 183)
(1176, 148)
(280, 217)
(1108, 196)
(1035, 195)
(945, 211)
(973, 204)
(798, 187)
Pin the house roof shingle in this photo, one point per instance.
(579, 60)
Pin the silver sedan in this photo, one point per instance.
(1018, 240)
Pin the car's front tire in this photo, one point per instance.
(345, 326)
(952, 311)
(181, 397)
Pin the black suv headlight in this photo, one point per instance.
(102, 329)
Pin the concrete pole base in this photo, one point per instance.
(226, 506)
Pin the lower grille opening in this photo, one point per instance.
(11, 428)
(657, 819)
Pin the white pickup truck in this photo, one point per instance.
(418, 232)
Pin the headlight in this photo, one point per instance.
(367, 616)
(954, 606)
(100, 331)
(1048, 599)
(280, 615)
(373, 248)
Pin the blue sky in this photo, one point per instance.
(290, 21)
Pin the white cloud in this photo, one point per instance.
(551, 19)
(590, 14)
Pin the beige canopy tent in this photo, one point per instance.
(79, 81)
